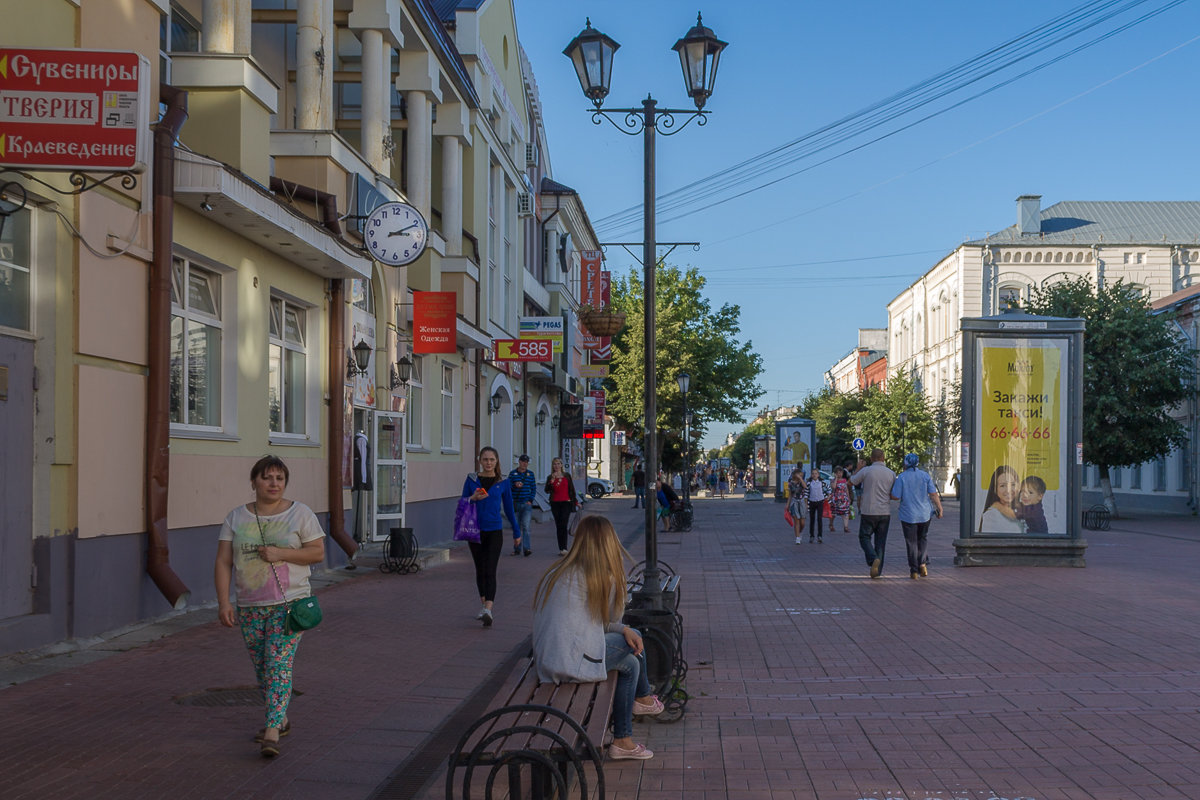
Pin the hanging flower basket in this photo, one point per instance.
(604, 321)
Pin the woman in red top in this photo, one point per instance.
(561, 491)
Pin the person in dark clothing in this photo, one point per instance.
(668, 502)
(524, 487)
(639, 485)
(563, 500)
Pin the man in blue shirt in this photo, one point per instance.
(918, 496)
(524, 485)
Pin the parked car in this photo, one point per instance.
(598, 487)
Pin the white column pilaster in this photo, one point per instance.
(218, 28)
(314, 64)
(419, 156)
(452, 194)
(373, 111)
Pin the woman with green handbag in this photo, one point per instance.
(265, 549)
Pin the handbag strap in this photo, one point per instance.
(282, 593)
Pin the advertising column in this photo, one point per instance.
(1022, 446)
(795, 440)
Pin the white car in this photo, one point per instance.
(598, 487)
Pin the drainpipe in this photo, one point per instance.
(326, 203)
(158, 430)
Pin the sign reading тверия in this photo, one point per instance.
(74, 110)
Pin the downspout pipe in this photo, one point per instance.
(158, 430)
(336, 421)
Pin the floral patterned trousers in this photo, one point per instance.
(273, 650)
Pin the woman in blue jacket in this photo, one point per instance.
(490, 491)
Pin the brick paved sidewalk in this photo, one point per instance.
(808, 679)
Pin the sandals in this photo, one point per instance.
(269, 748)
(284, 731)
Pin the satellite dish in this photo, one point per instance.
(565, 250)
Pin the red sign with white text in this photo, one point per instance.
(74, 109)
(590, 287)
(434, 322)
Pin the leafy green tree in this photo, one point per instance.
(1135, 370)
(880, 420)
(831, 412)
(690, 336)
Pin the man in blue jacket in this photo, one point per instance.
(524, 485)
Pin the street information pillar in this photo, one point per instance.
(1022, 442)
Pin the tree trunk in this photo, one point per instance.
(1110, 502)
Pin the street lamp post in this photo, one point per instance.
(699, 54)
(903, 438)
(685, 381)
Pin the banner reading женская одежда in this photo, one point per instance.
(1021, 417)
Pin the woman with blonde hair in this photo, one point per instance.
(578, 635)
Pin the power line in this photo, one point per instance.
(1059, 29)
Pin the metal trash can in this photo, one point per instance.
(658, 628)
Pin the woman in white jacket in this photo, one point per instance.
(578, 634)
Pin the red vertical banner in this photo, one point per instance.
(434, 322)
(589, 278)
(605, 287)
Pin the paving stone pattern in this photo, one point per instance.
(808, 679)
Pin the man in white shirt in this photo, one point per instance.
(876, 481)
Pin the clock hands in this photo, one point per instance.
(404, 230)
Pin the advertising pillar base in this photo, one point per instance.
(1023, 552)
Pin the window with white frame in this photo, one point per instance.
(509, 225)
(16, 262)
(1008, 297)
(416, 389)
(1135, 476)
(287, 365)
(495, 216)
(1184, 467)
(196, 323)
(1160, 474)
(449, 423)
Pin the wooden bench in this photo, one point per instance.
(535, 740)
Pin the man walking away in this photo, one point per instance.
(876, 482)
(639, 485)
(919, 498)
(524, 486)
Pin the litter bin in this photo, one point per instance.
(658, 628)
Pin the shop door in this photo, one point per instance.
(16, 476)
(390, 474)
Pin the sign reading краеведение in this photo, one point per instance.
(74, 110)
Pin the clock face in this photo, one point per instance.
(396, 234)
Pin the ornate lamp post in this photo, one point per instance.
(685, 381)
(699, 53)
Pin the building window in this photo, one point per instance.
(16, 271)
(1114, 475)
(1185, 467)
(287, 365)
(495, 216)
(178, 32)
(416, 396)
(1160, 474)
(195, 377)
(1008, 297)
(449, 425)
(1135, 476)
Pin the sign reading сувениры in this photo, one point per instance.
(74, 109)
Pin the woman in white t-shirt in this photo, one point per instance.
(266, 548)
(816, 505)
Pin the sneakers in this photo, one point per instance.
(527, 552)
(876, 567)
(924, 571)
(652, 709)
(562, 552)
(820, 540)
(516, 551)
(486, 617)
(799, 540)
(638, 753)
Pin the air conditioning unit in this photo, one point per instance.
(531, 154)
(524, 204)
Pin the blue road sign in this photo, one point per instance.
(859, 444)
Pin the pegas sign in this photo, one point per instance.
(74, 110)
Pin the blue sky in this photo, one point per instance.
(818, 255)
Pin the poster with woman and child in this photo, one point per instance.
(1021, 423)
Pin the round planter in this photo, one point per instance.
(603, 322)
